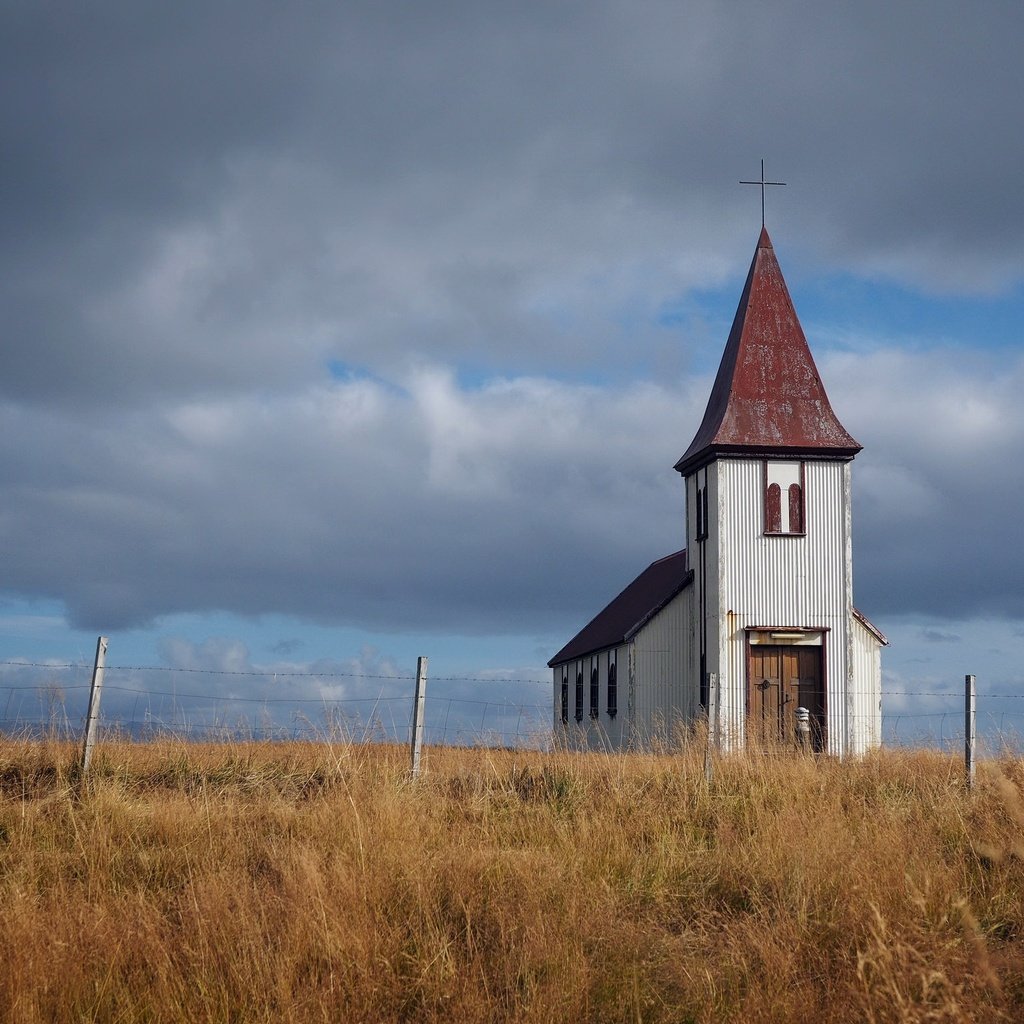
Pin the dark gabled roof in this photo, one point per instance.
(632, 609)
(768, 396)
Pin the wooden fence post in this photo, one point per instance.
(712, 745)
(417, 714)
(970, 729)
(93, 714)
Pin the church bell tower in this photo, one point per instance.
(768, 498)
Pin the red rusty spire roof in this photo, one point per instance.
(768, 397)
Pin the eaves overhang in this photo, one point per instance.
(709, 454)
(871, 627)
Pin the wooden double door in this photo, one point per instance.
(782, 679)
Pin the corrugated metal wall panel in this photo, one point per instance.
(786, 581)
(666, 687)
(800, 578)
(604, 732)
(792, 581)
(866, 712)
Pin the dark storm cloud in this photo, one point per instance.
(939, 636)
(207, 196)
(427, 507)
(204, 207)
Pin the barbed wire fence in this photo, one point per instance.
(142, 702)
(999, 718)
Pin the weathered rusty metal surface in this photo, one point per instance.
(768, 396)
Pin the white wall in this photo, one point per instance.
(657, 688)
(606, 732)
(665, 685)
(788, 581)
(866, 718)
(749, 579)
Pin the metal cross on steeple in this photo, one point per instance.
(762, 183)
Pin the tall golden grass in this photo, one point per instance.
(316, 882)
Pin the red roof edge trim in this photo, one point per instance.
(870, 627)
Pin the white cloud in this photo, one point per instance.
(358, 501)
(421, 502)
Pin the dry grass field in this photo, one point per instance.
(315, 882)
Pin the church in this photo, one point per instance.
(759, 602)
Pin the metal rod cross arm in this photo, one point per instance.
(762, 183)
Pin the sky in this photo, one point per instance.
(338, 334)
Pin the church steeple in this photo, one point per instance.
(768, 398)
(755, 618)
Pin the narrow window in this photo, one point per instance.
(701, 513)
(613, 692)
(796, 509)
(594, 695)
(579, 696)
(773, 509)
(565, 698)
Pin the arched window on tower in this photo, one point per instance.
(773, 509)
(784, 506)
(796, 509)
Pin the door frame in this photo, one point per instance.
(786, 636)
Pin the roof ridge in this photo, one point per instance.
(665, 558)
(631, 608)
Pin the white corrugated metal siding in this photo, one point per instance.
(749, 579)
(665, 690)
(788, 581)
(605, 732)
(866, 703)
